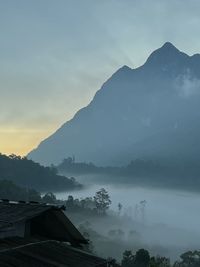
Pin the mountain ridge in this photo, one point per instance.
(126, 107)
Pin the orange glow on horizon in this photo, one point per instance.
(20, 142)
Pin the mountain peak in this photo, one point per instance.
(123, 71)
(169, 46)
(165, 54)
(137, 113)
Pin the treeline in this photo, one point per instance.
(97, 205)
(13, 192)
(142, 258)
(29, 174)
(69, 165)
(177, 175)
(136, 167)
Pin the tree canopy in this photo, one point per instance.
(27, 173)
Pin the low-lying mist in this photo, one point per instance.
(164, 221)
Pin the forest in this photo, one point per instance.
(179, 175)
(29, 174)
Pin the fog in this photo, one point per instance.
(166, 221)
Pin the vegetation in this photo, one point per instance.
(27, 173)
(9, 190)
(178, 175)
(69, 165)
(97, 206)
(14, 192)
(102, 201)
(189, 259)
(142, 259)
(86, 205)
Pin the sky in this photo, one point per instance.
(55, 54)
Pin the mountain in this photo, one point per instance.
(151, 112)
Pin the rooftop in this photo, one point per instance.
(20, 252)
(45, 220)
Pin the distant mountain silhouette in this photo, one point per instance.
(151, 112)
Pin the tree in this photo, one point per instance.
(49, 198)
(102, 201)
(119, 208)
(159, 262)
(189, 259)
(112, 263)
(128, 259)
(142, 258)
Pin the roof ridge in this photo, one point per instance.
(36, 203)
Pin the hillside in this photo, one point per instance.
(29, 174)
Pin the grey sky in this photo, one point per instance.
(55, 54)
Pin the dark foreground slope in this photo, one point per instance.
(150, 113)
(29, 174)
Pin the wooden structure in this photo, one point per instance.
(37, 220)
(33, 234)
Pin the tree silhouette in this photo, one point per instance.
(102, 201)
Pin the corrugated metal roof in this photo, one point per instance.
(18, 252)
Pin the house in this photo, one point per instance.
(37, 220)
(33, 234)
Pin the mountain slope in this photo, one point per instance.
(149, 112)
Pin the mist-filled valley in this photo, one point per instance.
(166, 222)
(128, 215)
(100, 133)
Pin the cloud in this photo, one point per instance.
(187, 85)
